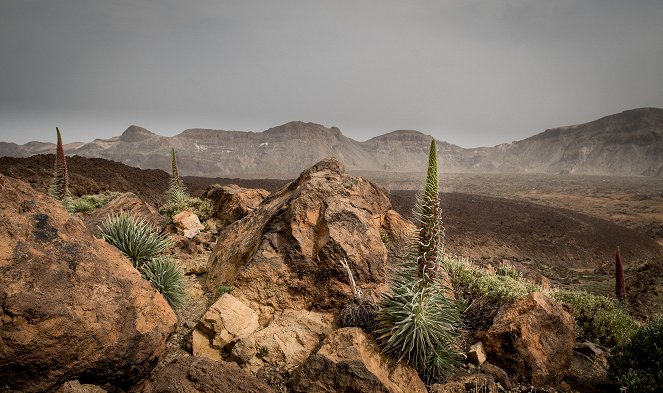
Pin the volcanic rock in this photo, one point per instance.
(283, 257)
(197, 375)
(232, 202)
(349, 360)
(76, 387)
(187, 224)
(467, 383)
(532, 339)
(73, 307)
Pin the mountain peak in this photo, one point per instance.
(136, 134)
(294, 128)
(403, 136)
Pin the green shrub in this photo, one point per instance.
(200, 207)
(90, 202)
(508, 271)
(168, 278)
(471, 282)
(135, 238)
(223, 289)
(597, 318)
(638, 364)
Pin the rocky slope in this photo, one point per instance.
(628, 143)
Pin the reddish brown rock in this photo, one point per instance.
(72, 305)
(349, 360)
(197, 375)
(233, 202)
(480, 382)
(532, 339)
(187, 224)
(283, 257)
(77, 387)
(126, 203)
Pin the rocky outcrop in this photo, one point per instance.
(532, 339)
(198, 375)
(232, 202)
(349, 360)
(73, 307)
(283, 259)
(128, 203)
(187, 224)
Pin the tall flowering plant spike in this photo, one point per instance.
(177, 190)
(430, 234)
(173, 165)
(620, 287)
(60, 186)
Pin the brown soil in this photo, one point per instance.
(480, 227)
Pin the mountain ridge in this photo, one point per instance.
(629, 143)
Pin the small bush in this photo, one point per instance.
(223, 289)
(508, 271)
(200, 207)
(471, 282)
(91, 202)
(168, 278)
(135, 238)
(597, 318)
(638, 364)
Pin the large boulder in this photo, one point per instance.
(191, 374)
(73, 307)
(283, 258)
(532, 339)
(233, 202)
(349, 360)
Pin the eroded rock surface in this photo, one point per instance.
(349, 360)
(532, 339)
(283, 258)
(73, 307)
(198, 375)
(233, 202)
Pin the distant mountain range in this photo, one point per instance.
(629, 143)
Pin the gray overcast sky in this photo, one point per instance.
(474, 73)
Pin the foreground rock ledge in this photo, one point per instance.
(73, 307)
(349, 360)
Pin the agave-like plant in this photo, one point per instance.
(417, 321)
(134, 237)
(168, 278)
(177, 192)
(60, 186)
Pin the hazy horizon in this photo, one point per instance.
(472, 73)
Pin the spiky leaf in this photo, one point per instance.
(168, 278)
(134, 237)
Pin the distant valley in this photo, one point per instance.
(629, 143)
